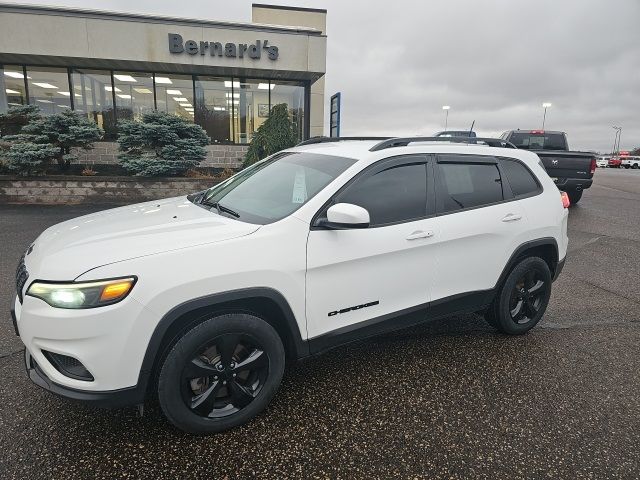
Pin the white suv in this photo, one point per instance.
(200, 299)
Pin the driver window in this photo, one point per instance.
(394, 195)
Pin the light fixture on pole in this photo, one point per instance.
(616, 141)
(446, 108)
(545, 105)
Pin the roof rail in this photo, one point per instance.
(314, 140)
(404, 141)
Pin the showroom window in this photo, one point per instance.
(93, 97)
(250, 102)
(213, 109)
(49, 89)
(12, 87)
(291, 94)
(174, 94)
(134, 94)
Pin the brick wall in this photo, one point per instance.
(99, 190)
(217, 155)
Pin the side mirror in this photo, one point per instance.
(343, 216)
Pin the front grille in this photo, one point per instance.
(68, 366)
(21, 276)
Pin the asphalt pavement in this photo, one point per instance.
(451, 399)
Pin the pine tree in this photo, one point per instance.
(46, 138)
(275, 134)
(17, 117)
(162, 144)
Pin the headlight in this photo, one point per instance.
(82, 294)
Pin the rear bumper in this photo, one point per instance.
(558, 269)
(574, 183)
(108, 399)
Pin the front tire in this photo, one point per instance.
(574, 196)
(522, 299)
(221, 373)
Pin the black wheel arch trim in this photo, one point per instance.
(153, 348)
(517, 253)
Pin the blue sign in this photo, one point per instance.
(334, 119)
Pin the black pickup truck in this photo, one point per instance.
(571, 171)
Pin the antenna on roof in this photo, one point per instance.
(471, 129)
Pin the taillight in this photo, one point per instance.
(566, 203)
(593, 166)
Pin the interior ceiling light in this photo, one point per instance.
(180, 99)
(165, 80)
(124, 96)
(124, 78)
(44, 85)
(111, 89)
(265, 86)
(227, 84)
(143, 90)
(14, 74)
(13, 92)
(174, 92)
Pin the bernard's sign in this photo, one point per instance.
(241, 50)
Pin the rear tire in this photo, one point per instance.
(221, 373)
(522, 299)
(574, 196)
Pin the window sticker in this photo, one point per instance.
(299, 188)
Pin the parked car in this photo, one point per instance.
(571, 171)
(602, 162)
(631, 161)
(201, 298)
(615, 162)
(456, 133)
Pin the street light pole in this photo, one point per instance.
(616, 140)
(545, 105)
(446, 108)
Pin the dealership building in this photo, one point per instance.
(113, 67)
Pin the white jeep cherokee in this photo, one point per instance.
(200, 299)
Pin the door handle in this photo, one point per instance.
(511, 217)
(420, 234)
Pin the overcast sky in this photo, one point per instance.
(495, 61)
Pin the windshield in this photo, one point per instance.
(275, 187)
(539, 141)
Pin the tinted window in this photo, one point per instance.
(539, 141)
(465, 185)
(520, 178)
(398, 194)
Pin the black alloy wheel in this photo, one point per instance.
(224, 376)
(221, 373)
(527, 297)
(522, 298)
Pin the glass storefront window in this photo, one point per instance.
(92, 96)
(250, 99)
(174, 94)
(292, 95)
(212, 111)
(134, 94)
(49, 89)
(12, 92)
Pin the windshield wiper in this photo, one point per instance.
(220, 208)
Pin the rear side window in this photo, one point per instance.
(520, 178)
(466, 185)
(397, 194)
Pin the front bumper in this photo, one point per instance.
(109, 342)
(107, 399)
